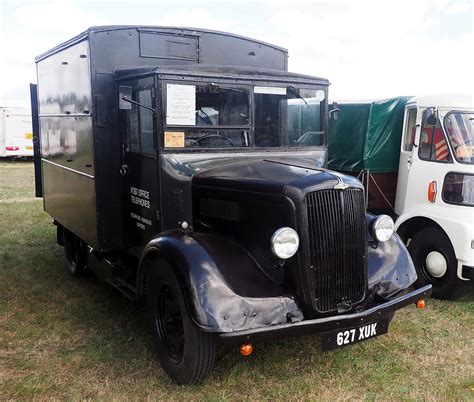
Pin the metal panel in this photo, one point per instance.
(165, 46)
(36, 140)
(236, 51)
(67, 141)
(64, 82)
(69, 197)
(337, 240)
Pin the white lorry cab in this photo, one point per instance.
(435, 190)
(16, 138)
(415, 158)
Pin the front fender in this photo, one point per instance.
(390, 268)
(225, 288)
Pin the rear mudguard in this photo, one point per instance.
(225, 288)
(390, 268)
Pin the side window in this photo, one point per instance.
(139, 124)
(146, 122)
(410, 130)
(433, 144)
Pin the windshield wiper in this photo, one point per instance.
(297, 93)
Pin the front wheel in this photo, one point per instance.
(435, 262)
(185, 352)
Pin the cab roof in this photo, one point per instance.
(453, 101)
(218, 71)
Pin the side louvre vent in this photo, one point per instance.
(219, 209)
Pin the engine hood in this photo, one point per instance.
(276, 173)
(274, 176)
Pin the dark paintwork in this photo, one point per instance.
(327, 324)
(210, 71)
(226, 289)
(390, 267)
(240, 271)
(77, 77)
(178, 168)
(36, 140)
(233, 282)
(70, 207)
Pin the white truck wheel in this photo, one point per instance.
(435, 261)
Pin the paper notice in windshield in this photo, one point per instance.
(181, 105)
(270, 90)
(174, 139)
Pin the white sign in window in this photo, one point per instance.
(269, 90)
(180, 105)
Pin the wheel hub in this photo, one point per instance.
(436, 264)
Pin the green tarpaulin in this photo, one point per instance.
(366, 136)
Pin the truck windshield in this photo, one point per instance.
(289, 116)
(459, 126)
(211, 115)
(206, 116)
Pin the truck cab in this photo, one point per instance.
(179, 167)
(435, 190)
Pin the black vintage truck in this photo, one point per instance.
(179, 167)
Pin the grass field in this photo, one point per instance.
(75, 338)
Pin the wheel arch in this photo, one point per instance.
(408, 228)
(204, 265)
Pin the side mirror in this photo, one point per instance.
(125, 95)
(431, 117)
(333, 113)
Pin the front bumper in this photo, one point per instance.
(467, 272)
(320, 325)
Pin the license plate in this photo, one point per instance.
(348, 336)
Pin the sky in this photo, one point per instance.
(368, 49)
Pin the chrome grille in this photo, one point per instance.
(337, 247)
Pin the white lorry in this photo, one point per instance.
(431, 188)
(16, 138)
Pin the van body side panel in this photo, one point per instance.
(65, 124)
(69, 197)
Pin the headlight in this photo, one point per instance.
(285, 242)
(383, 228)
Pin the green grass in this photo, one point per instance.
(75, 338)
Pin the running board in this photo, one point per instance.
(123, 287)
(110, 270)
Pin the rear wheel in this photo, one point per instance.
(435, 262)
(76, 253)
(185, 352)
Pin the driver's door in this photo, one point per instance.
(139, 168)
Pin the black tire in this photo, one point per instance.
(75, 251)
(185, 352)
(424, 242)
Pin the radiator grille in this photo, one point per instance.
(337, 247)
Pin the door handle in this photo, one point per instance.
(123, 169)
(409, 162)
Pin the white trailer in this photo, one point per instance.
(16, 134)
